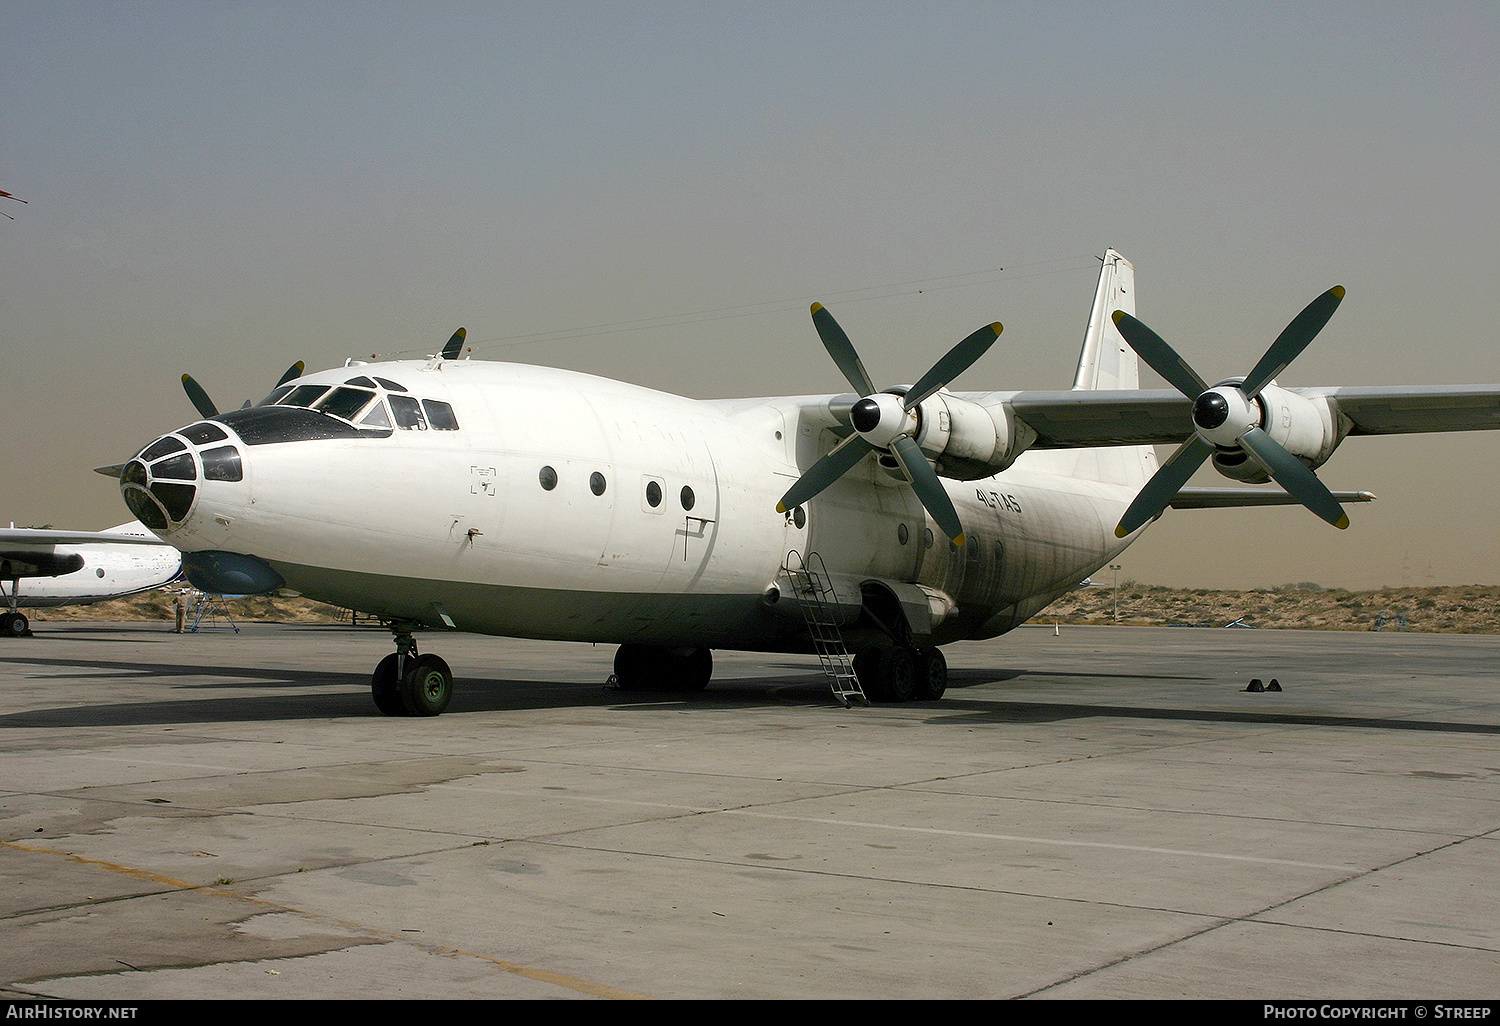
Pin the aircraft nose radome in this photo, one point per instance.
(162, 483)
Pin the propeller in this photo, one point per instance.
(1227, 416)
(455, 345)
(205, 406)
(888, 422)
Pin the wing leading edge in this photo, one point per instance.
(1079, 419)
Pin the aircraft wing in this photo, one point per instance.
(126, 534)
(31, 552)
(1074, 418)
(1068, 419)
(1381, 410)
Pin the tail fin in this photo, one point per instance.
(1106, 361)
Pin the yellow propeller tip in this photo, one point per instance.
(780, 508)
(1120, 531)
(816, 307)
(997, 327)
(1117, 316)
(960, 539)
(1343, 522)
(1337, 291)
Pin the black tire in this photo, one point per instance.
(427, 686)
(632, 667)
(866, 671)
(932, 674)
(15, 625)
(691, 669)
(897, 674)
(386, 687)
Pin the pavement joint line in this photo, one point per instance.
(515, 968)
(982, 835)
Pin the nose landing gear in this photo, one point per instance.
(408, 684)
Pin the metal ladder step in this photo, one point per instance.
(809, 580)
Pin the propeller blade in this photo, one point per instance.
(455, 345)
(292, 373)
(1159, 356)
(955, 362)
(825, 472)
(1293, 475)
(199, 398)
(1303, 329)
(924, 481)
(1164, 484)
(842, 350)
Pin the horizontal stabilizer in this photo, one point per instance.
(1225, 498)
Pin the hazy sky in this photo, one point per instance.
(657, 191)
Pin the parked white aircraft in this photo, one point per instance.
(532, 502)
(65, 568)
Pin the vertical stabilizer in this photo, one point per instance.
(1106, 361)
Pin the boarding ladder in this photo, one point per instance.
(815, 597)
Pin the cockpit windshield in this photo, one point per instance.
(362, 402)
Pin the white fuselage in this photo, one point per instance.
(659, 525)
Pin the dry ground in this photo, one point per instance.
(1469, 609)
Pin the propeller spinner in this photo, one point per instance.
(1227, 416)
(888, 422)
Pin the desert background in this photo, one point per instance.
(1467, 609)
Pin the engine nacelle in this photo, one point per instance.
(968, 441)
(1310, 429)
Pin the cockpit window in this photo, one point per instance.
(275, 395)
(202, 434)
(222, 464)
(178, 468)
(377, 417)
(440, 415)
(161, 447)
(303, 395)
(408, 413)
(345, 402)
(359, 401)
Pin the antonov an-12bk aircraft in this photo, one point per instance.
(882, 522)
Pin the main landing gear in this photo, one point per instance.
(651, 668)
(408, 684)
(902, 673)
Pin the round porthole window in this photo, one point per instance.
(653, 494)
(902, 534)
(799, 518)
(687, 497)
(548, 478)
(596, 483)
